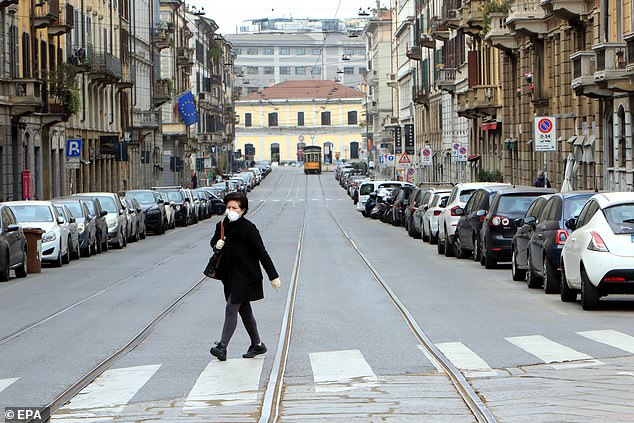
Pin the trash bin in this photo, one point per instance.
(34, 249)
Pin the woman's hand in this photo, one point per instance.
(219, 244)
(275, 283)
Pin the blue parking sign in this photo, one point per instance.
(73, 148)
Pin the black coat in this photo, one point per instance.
(239, 267)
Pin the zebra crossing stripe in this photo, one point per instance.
(465, 359)
(552, 352)
(107, 395)
(5, 383)
(231, 382)
(612, 338)
(340, 370)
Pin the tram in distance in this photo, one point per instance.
(312, 159)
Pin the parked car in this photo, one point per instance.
(135, 209)
(97, 215)
(368, 187)
(180, 202)
(13, 248)
(418, 198)
(598, 258)
(401, 202)
(153, 207)
(115, 216)
(195, 205)
(216, 205)
(499, 226)
(381, 205)
(448, 220)
(71, 225)
(388, 205)
(418, 209)
(549, 238)
(430, 217)
(170, 212)
(85, 224)
(43, 215)
(519, 244)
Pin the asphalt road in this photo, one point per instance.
(352, 356)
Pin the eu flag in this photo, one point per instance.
(187, 108)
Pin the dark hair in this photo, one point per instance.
(240, 198)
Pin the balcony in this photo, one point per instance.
(79, 58)
(570, 10)
(126, 79)
(420, 95)
(64, 22)
(163, 91)
(391, 80)
(446, 79)
(45, 13)
(25, 96)
(414, 53)
(208, 99)
(527, 16)
(7, 3)
(610, 67)
(215, 80)
(185, 56)
(453, 18)
(144, 119)
(162, 36)
(583, 67)
(105, 68)
(629, 66)
(427, 41)
(472, 16)
(439, 29)
(172, 3)
(499, 36)
(479, 101)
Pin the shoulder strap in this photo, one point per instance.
(222, 230)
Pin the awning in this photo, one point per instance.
(489, 126)
(473, 157)
(579, 141)
(572, 139)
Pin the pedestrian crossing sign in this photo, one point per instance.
(404, 159)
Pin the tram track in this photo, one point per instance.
(135, 341)
(475, 404)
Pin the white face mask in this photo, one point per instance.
(233, 215)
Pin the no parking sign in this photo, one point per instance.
(426, 156)
(545, 133)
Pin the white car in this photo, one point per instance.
(432, 214)
(368, 187)
(43, 215)
(448, 219)
(425, 202)
(598, 257)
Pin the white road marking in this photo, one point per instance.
(612, 338)
(275, 201)
(340, 370)
(315, 199)
(107, 395)
(5, 383)
(552, 352)
(466, 360)
(231, 382)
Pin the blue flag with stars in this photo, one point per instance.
(187, 108)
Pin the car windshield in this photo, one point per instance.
(466, 194)
(32, 213)
(174, 196)
(75, 209)
(108, 204)
(366, 189)
(143, 197)
(573, 206)
(91, 207)
(515, 205)
(620, 218)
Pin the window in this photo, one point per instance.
(273, 119)
(267, 51)
(252, 70)
(354, 150)
(315, 51)
(620, 218)
(348, 51)
(300, 118)
(362, 70)
(315, 70)
(325, 118)
(360, 52)
(247, 119)
(300, 70)
(285, 51)
(268, 70)
(348, 70)
(252, 51)
(285, 70)
(352, 118)
(300, 51)
(238, 50)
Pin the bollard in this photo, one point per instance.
(34, 249)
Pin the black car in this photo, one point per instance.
(12, 246)
(401, 201)
(153, 207)
(418, 198)
(472, 216)
(98, 215)
(387, 205)
(549, 237)
(214, 202)
(519, 245)
(180, 202)
(499, 226)
(85, 224)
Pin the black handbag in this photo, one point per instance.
(211, 270)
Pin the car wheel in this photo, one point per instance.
(21, 270)
(425, 236)
(532, 280)
(104, 245)
(441, 245)
(67, 255)
(589, 293)
(4, 272)
(458, 251)
(121, 243)
(567, 294)
(433, 239)
(477, 249)
(518, 274)
(448, 245)
(59, 261)
(551, 278)
(77, 252)
(143, 234)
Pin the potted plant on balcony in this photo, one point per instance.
(64, 90)
(494, 7)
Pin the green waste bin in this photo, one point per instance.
(33, 249)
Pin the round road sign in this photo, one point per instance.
(463, 150)
(545, 125)
(426, 152)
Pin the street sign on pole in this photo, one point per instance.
(404, 159)
(426, 156)
(73, 148)
(545, 134)
(454, 149)
(391, 159)
(462, 154)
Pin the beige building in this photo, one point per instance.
(277, 122)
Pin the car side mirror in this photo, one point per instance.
(60, 220)
(131, 210)
(519, 222)
(426, 208)
(458, 211)
(481, 213)
(530, 220)
(121, 212)
(139, 209)
(103, 213)
(73, 220)
(160, 201)
(13, 228)
(572, 223)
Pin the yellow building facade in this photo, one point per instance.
(277, 122)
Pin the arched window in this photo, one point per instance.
(354, 150)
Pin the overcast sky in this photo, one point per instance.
(228, 14)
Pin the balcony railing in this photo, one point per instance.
(499, 35)
(45, 13)
(7, 3)
(427, 41)
(446, 79)
(420, 95)
(65, 21)
(25, 95)
(583, 69)
(185, 56)
(570, 10)
(162, 36)
(439, 29)
(472, 16)
(629, 66)
(144, 119)
(105, 68)
(481, 100)
(414, 53)
(610, 71)
(163, 91)
(527, 16)
(453, 18)
(208, 98)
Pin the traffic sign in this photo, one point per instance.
(426, 156)
(73, 148)
(545, 133)
(462, 154)
(391, 159)
(454, 149)
(404, 159)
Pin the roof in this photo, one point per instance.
(608, 199)
(522, 189)
(27, 202)
(303, 90)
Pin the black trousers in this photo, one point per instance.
(231, 322)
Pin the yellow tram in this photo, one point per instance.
(312, 159)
